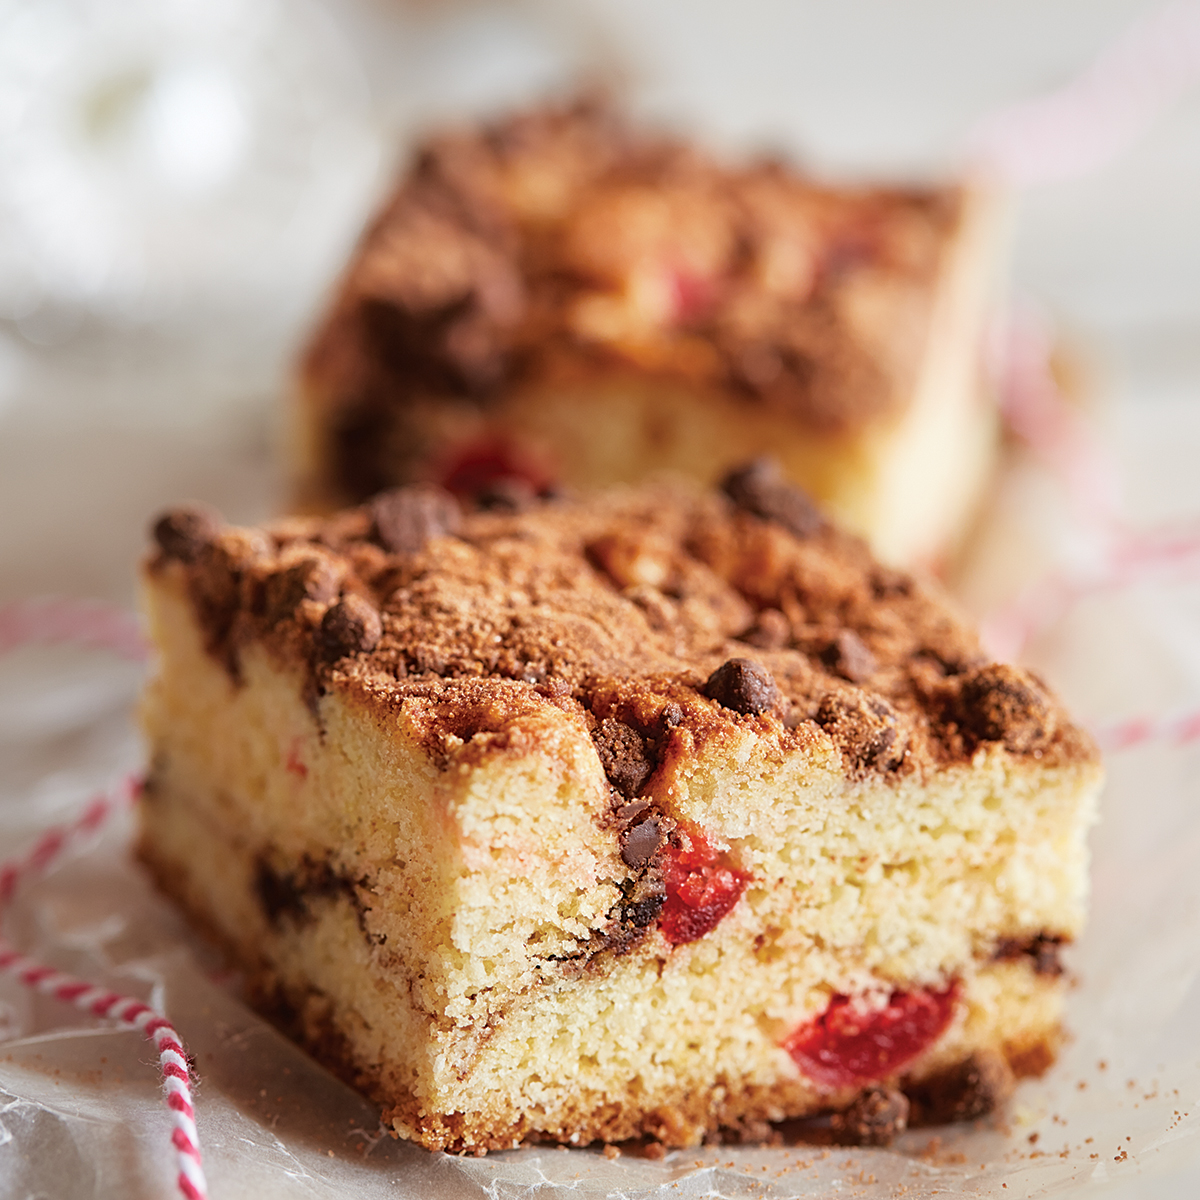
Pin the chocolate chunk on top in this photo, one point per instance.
(760, 488)
(404, 519)
(348, 627)
(744, 686)
(183, 532)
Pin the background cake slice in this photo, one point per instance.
(664, 814)
(559, 298)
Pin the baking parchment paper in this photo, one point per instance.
(80, 1111)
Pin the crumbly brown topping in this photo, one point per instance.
(638, 610)
(875, 1117)
(972, 1088)
(562, 242)
(623, 755)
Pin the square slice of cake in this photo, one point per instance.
(559, 298)
(667, 814)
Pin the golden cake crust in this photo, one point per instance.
(561, 244)
(650, 614)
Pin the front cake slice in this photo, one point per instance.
(664, 814)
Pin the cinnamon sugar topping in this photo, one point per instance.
(632, 609)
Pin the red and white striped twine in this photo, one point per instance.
(1079, 127)
(53, 619)
(1094, 117)
(1182, 729)
(1038, 413)
(1156, 556)
(96, 624)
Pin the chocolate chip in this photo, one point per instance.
(641, 842)
(850, 657)
(623, 755)
(866, 728)
(873, 1119)
(348, 626)
(973, 1088)
(183, 532)
(770, 631)
(290, 893)
(1002, 703)
(760, 488)
(643, 897)
(507, 495)
(742, 685)
(313, 579)
(404, 519)
(1044, 949)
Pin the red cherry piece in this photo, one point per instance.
(692, 296)
(701, 888)
(295, 761)
(850, 1045)
(473, 467)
